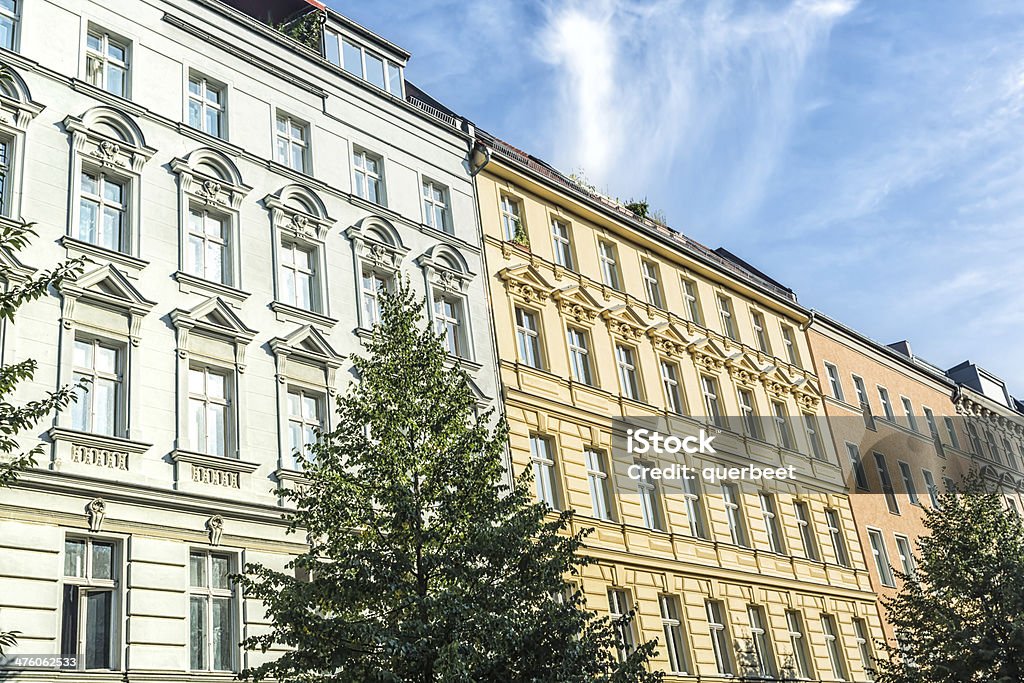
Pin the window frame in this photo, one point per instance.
(712, 403)
(748, 413)
(361, 157)
(802, 660)
(835, 381)
(115, 586)
(228, 402)
(431, 205)
(340, 39)
(908, 410)
(618, 608)
(206, 85)
(672, 626)
(650, 274)
(885, 480)
(452, 323)
(696, 514)
(648, 491)
(905, 551)
(857, 462)
(789, 342)
(783, 429)
(545, 471)
(885, 401)
(118, 411)
(770, 514)
(761, 641)
(727, 316)
(305, 143)
(670, 382)
(562, 245)
(834, 647)
(880, 555)
(732, 500)
(908, 482)
(596, 463)
(627, 364)
(210, 594)
(318, 424)
(102, 57)
(529, 343)
(718, 626)
(757, 322)
(804, 522)
(579, 355)
(510, 211)
(102, 176)
(608, 259)
(691, 299)
(14, 18)
(835, 531)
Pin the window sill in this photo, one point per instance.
(217, 143)
(371, 206)
(296, 477)
(79, 248)
(214, 461)
(287, 313)
(90, 440)
(459, 361)
(95, 450)
(122, 103)
(192, 284)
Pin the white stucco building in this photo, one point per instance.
(239, 198)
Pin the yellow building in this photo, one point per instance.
(603, 319)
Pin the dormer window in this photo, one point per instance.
(363, 63)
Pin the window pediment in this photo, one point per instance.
(109, 138)
(108, 288)
(624, 322)
(446, 268)
(299, 212)
(13, 271)
(17, 108)
(213, 318)
(377, 243)
(575, 302)
(668, 340)
(306, 345)
(212, 178)
(525, 283)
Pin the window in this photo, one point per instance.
(672, 627)
(954, 440)
(929, 418)
(305, 419)
(362, 63)
(764, 658)
(374, 284)
(719, 637)
(862, 401)
(694, 508)
(883, 477)
(448, 319)
(734, 513)
(292, 143)
(298, 275)
(782, 428)
(801, 665)
(597, 477)
(8, 23)
(579, 355)
(832, 644)
(618, 606)
(528, 338)
(649, 506)
(211, 613)
(1011, 458)
(206, 255)
(6, 144)
(751, 424)
(544, 470)
(789, 341)
(725, 313)
(771, 523)
(834, 383)
(608, 256)
(625, 357)
(709, 385)
(652, 286)
(811, 423)
(209, 411)
(908, 411)
(859, 474)
(933, 490)
(883, 397)
(90, 598)
(972, 434)
(867, 658)
(670, 382)
(106, 62)
(100, 405)
(906, 556)
(757, 321)
(881, 557)
(206, 105)
(103, 210)
(511, 218)
(436, 213)
(691, 304)
(369, 176)
(908, 482)
(803, 522)
(835, 532)
(993, 450)
(561, 243)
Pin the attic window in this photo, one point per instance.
(359, 61)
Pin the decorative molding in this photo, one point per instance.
(288, 313)
(97, 254)
(105, 287)
(192, 284)
(214, 318)
(215, 528)
(96, 511)
(307, 344)
(209, 176)
(212, 469)
(86, 442)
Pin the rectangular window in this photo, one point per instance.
(292, 143)
(881, 556)
(212, 624)
(298, 276)
(719, 637)
(511, 218)
(906, 556)
(908, 412)
(608, 256)
(734, 513)
(751, 423)
(436, 212)
(782, 428)
(625, 358)
(106, 62)
(352, 55)
(369, 174)
(528, 338)
(954, 440)
(860, 475)
(6, 145)
(798, 643)
(8, 23)
(709, 386)
(448, 321)
(99, 407)
(691, 304)
(103, 210)
(760, 335)
(561, 243)
(929, 418)
(206, 255)
(811, 427)
(618, 606)
(803, 522)
(650, 507)
(771, 523)
(992, 449)
(972, 434)
(694, 508)
(834, 383)
(209, 411)
(305, 420)
(1011, 458)
(726, 316)
(90, 599)
(373, 285)
(933, 490)
(579, 355)
(763, 655)
(672, 627)
(834, 647)
(670, 382)
(908, 482)
(835, 532)
(362, 63)
(597, 477)
(542, 456)
(886, 481)
(375, 70)
(206, 105)
(652, 285)
(867, 657)
(789, 341)
(883, 397)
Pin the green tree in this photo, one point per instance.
(423, 566)
(960, 617)
(15, 418)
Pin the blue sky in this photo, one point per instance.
(868, 154)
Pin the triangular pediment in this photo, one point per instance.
(576, 302)
(307, 342)
(108, 286)
(11, 268)
(214, 316)
(624, 314)
(526, 283)
(668, 338)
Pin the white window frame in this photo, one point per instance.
(748, 413)
(652, 283)
(783, 430)
(103, 60)
(450, 320)
(579, 355)
(883, 398)
(880, 555)
(86, 584)
(834, 381)
(361, 158)
(310, 272)
(885, 480)
(200, 443)
(814, 438)
(118, 377)
(726, 316)
(719, 632)
(757, 321)
(712, 404)
(836, 534)
(14, 20)
(675, 635)
(545, 470)
(511, 209)
(561, 244)
(691, 300)
(225, 242)
(832, 644)
(618, 607)
(599, 482)
(804, 522)
(437, 206)
(760, 639)
(908, 410)
(670, 374)
(857, 462)
(867, 658)
(303, 143)
(650, 503)
(207, 85)
(528, 338)
(802, 662)
(628, 371)
(99, 200)
(790, 344)
(211, 593)
(954, 440)
(695, 513)
(770, 515)
(732, 499)
(372, 283)
(304, 422)
(608, 257)
(905, 550)
(932, 487)
(909, 485)
(389, 77)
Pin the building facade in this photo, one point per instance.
(602, 319)
(239, 199)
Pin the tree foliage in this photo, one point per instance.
(960, 617)
(424, 564)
